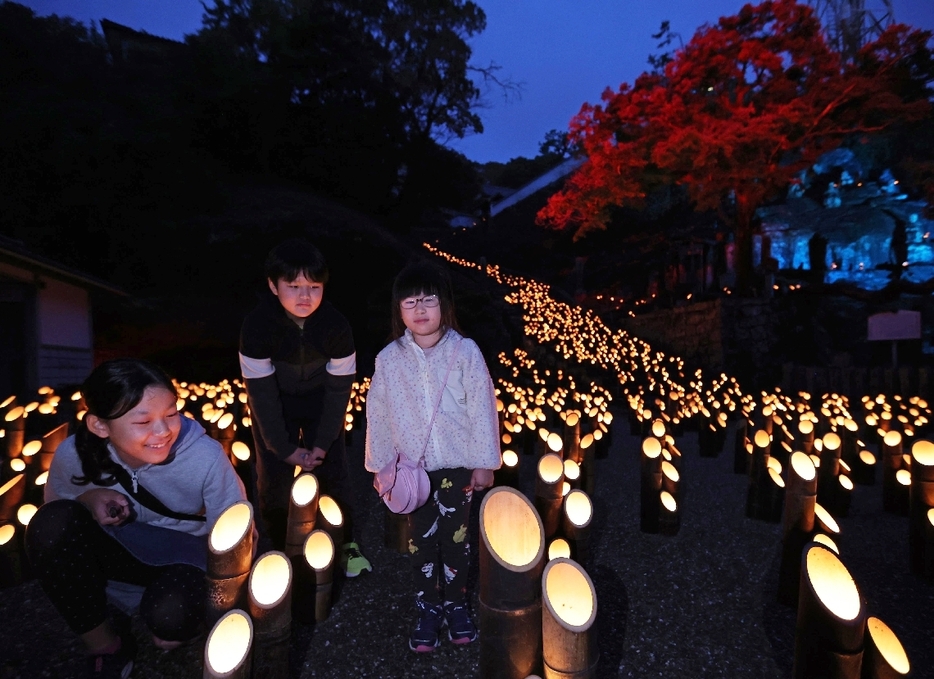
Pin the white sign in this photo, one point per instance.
(895, 325)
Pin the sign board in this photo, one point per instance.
(895, 325)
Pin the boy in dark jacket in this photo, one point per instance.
(298, 362)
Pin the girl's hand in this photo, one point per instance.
(306, 459)
(108, 507)
(481, 479)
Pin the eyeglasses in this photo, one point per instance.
(429, 302)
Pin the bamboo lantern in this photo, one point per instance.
(891, 464)
(829, 469)
(577, 516)
(757, 505)
(740, 454)
(512, 548)
(671, 484)
(849, 447)
(827, 541)
(548, 492)
(774, 497)
(824, 521)
(302, 514)
(588, 455)
(11, 494)
(50, 442)
(650, 485)
(226, 430)
(396, 531)
(559, 547)
(230, 555)
(569, 611)
(864, 468)
(508, 473)
(921, 500)
(603, 436)
(797, 524)
(331, 519)
(669, 514)
(11, 556)
(270, 608)
(572, 436)
(884, 656)
(572, 473)
(314, 577)
(14, 424)
(227, 651)
(806, 438)
(831, 620)
(240, 456)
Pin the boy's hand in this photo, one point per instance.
(306, 459)
(481, 479)
(108, 507)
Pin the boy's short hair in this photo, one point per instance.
(293, 257)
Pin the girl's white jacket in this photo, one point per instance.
(402, 397)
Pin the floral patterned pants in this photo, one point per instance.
(439, 546)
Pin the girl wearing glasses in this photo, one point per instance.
(431, 375)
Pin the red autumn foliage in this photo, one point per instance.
(738, 112)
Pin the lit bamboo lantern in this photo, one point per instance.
(14, 424)
(892, 491)
(569, 611)
(831, 621)
(227, 651)
(577, 515)
(757, 491)
(774, 496)
(512, 548)
(884, 656)
(11, 494)
(11, 556)
(50, 442)
(314, 576)
(572, 436)
(829, 469)
(588, 455)
(864, 468)
(331, 519)
(650, 485)
(240, 456)
(230, 556)
(806, 438)
(302, 513)
(797, 524)
(849, 437)
(558, 548)
(508, 473)
(270, 608)
(928, 571)
(226, 430)
(921, 500)
(548, 492)
(572, 473)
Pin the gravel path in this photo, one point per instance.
(701, 603)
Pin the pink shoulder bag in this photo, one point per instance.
(403, 484)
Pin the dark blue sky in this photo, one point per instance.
(564, 52)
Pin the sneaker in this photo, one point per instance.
(353, 561)
(116, 665)
(461, 629)
(426, 636)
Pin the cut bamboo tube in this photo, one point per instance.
(229, 558)
(302, 513)
(569, 611)
(227, 652)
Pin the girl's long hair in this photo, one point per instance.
(112, 390)
(423, 278)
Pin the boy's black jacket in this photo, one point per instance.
(300, 394)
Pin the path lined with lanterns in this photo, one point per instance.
(604, 441)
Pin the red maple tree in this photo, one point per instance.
(737, 113)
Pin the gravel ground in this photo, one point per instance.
(702, 603)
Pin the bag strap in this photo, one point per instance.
(440, 396)
(148, 500)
